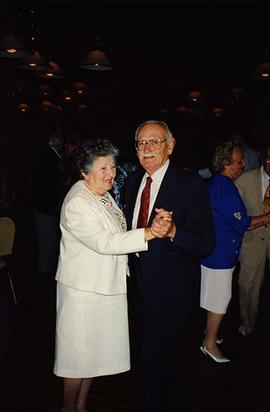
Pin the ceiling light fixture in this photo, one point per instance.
(36, 62)
(53, 72)
(12, 47)
(96, 59)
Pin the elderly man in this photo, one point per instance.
(167, 277)
(253, 186)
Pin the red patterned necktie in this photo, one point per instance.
(144, 207)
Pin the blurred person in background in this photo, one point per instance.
(48, 189)
(254, 189)
(231, 222)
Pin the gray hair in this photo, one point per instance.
(223, 154)
(168, 133)
(89, 150)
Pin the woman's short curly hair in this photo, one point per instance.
(88, 151)
(223, 154)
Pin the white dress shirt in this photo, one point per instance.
(265, 181)
(157, 178)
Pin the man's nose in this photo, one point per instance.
(147, 146)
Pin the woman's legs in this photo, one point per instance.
(75, 394)
(216, 291)
(212, 327)
(83, 394)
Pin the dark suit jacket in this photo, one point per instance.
(170, 270)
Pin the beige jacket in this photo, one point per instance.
(93, 250)
(250, 188)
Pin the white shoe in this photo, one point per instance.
(218, 360)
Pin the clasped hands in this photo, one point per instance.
(163, 225)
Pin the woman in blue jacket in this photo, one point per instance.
(231, 221)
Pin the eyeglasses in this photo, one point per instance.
(153, 143)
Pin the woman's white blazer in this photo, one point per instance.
(93, 250)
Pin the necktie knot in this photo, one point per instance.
(144, 206)
(148, 181)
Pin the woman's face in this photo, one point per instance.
(101, 176)
(235, 169)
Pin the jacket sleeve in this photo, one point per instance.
(197, 235)
(234, 211)
(86, 224)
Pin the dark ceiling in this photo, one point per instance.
(160, 49)
(199, 32)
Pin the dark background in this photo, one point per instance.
(161, 51)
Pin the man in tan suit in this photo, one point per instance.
(252, 185)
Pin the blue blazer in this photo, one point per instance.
(230, 220)
(170, 270)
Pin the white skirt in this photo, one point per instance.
(216, 289)
(92, 337)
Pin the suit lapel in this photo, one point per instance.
(163, 191)
(258, 190)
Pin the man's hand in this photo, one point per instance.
(163, 225)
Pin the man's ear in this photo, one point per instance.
(172, 143)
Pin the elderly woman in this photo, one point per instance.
(92, 325)
(231, 221)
